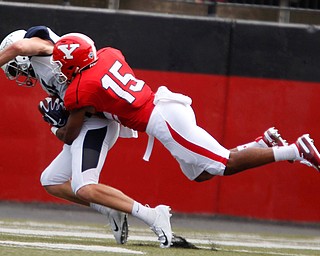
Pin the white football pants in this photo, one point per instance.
(173, 123)
(82, 161)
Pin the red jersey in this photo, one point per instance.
(111, 86)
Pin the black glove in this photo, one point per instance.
(54, 111)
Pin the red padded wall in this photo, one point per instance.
(25, 142)
(234, 110)
(281, 190)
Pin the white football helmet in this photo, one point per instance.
(18, 69)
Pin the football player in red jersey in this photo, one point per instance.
(104, 82)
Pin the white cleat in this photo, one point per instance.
(271, 138)
(162, 226)
(309, 154)
(119, 226)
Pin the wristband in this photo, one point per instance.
(54, 130)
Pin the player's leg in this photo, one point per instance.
(252, 157)
(85, 184)
(303, 151)
(89, 152)
(56, 177)
(56, 180)
(157, 218)
(64, 191)
(201, 157)
(174, 125)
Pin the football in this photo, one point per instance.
(45, 103)
(53, 111)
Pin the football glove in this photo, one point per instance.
(54, 111)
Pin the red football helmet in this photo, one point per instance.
(72, 53)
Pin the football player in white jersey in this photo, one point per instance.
(24, 56)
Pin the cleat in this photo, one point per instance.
(162, 226)
(271, 138)
(308, 152)
(119, 226)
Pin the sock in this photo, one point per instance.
(290, 152)
(253, 144)
(146, 214)
(100, 208)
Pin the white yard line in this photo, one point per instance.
(42, 225)
(263, 244)
(251, 241)
(52, 233)
(57, 246)
(265, 253)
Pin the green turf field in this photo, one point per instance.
(64, 239)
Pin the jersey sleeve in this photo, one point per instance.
(42, 32)
(75, 98)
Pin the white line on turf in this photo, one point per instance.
(262, 244)
(230, 240)
(265, 253)
(57, 246)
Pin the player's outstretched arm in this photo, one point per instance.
(26, 47)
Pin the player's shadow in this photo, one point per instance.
(180, 242)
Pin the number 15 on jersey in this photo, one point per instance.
(108, 82)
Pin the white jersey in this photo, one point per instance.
(41, 64)
(44, 73)
(101, 133)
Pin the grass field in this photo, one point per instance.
(29, 238)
